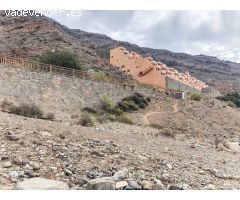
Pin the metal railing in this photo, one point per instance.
(36, 66)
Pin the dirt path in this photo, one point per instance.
(145, 117)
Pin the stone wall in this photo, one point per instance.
(59, 94)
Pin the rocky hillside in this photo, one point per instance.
(121, 156)
(29, 36)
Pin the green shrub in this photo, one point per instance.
(142, 105)
(100, 76)
(196, 96)
(136, 99)
(121, 119)
(90, 110)
(61, 58)
(106, 103)
(233, 97)
(131, 105)
(127, 106)
(139, 94)
(86, 120)
(116, 111)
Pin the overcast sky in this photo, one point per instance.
(215, 33)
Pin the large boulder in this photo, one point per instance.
(105, 183)
(41, 184)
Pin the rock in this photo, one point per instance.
(28, 167)
(143, 158)
(105, 183)
(93, 175)
(7, 164)
(185, 186)
(18, 161)
(147, 185)
(94, 152)
(159, 185)
(221, 147)
(61, 136)
(13, 174)
(41, 184)
(4, 157)
(36, 166)
(173, 187)
(193, 145)
(169, 166)
(75, 188)
(67, 172)
(134, 185)
(210, 187)
(121, 185)
(120, 175)
(12, 136)
(81, 180)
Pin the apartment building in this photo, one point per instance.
(146, 70)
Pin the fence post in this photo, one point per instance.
(73, 72)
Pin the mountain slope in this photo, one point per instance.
(30, 36)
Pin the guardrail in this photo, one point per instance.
(36, 66)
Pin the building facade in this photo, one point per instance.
(146, 70)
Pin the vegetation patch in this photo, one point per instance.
(61, 58)
(108, 111)
(90, 110)
(86, 120)
(231, 98)
(121, 119)
(196, 96)
(156, 126)
(100, 76)
(133, 102)
(26, 110)
(167, 133)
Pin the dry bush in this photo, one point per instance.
(27, 110)
(122, 119)
(7, 106)
(156, 126)
(167, 132)
(86, 120)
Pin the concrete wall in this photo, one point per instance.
(59, 94)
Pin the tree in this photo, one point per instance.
(61, 58)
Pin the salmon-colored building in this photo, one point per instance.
(146, 70)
